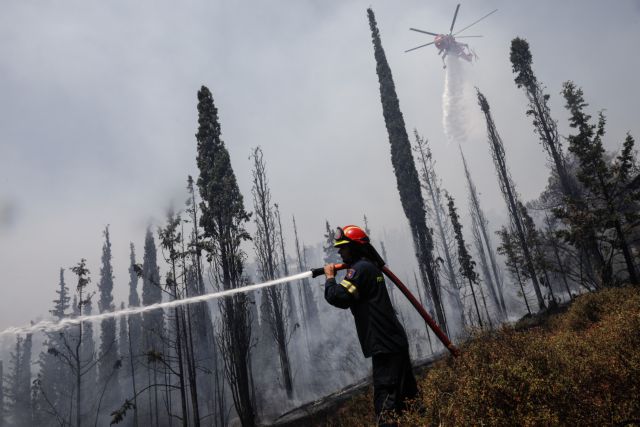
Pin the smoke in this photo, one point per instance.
(8, 214)
(454, 111)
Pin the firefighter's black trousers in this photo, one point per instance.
(393, 384)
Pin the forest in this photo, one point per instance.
(244, 359)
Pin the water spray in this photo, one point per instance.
(412, 299)
(49, 325)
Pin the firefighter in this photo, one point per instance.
(381, 335)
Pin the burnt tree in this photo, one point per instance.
(447, 241)
(265, 243)
(509, 193)
(483, 245)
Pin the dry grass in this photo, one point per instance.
(578, 368)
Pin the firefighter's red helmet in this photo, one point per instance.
(350, 234)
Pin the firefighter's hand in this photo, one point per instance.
(330, 271)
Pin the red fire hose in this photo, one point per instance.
(412, 299)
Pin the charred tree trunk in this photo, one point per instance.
(291, 310)
(510, 195)
(547, 129)
(477, 240)
(265, 242)
(310, 307)
(477, 215)
(430, 183)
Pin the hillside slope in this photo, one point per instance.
(581, 367)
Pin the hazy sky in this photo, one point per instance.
(98, 112)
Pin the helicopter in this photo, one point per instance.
(447, 44)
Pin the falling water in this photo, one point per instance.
(453, 106)
(47, 325)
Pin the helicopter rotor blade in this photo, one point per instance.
(418, 47)
(422, 31)
(455, 15)
(466, 37)
(474, 23)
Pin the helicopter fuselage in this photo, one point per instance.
(447, 44)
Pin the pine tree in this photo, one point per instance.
(509, 248)
(547, 130)
(467, 264)
(54, 384)
(223, 220)
(608, 205)
(543, 123)
(510, 195)
(68, 350)
(551, 237)
(406, 174)
(482, 241)
(534, 239)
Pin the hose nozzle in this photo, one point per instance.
(315, 272)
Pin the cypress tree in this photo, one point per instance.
(151, 293)
(108, 343)
(152, 323)
(134, 299)
(509, 193)
(406, 174)
(223, 220)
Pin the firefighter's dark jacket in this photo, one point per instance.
(363, 290)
